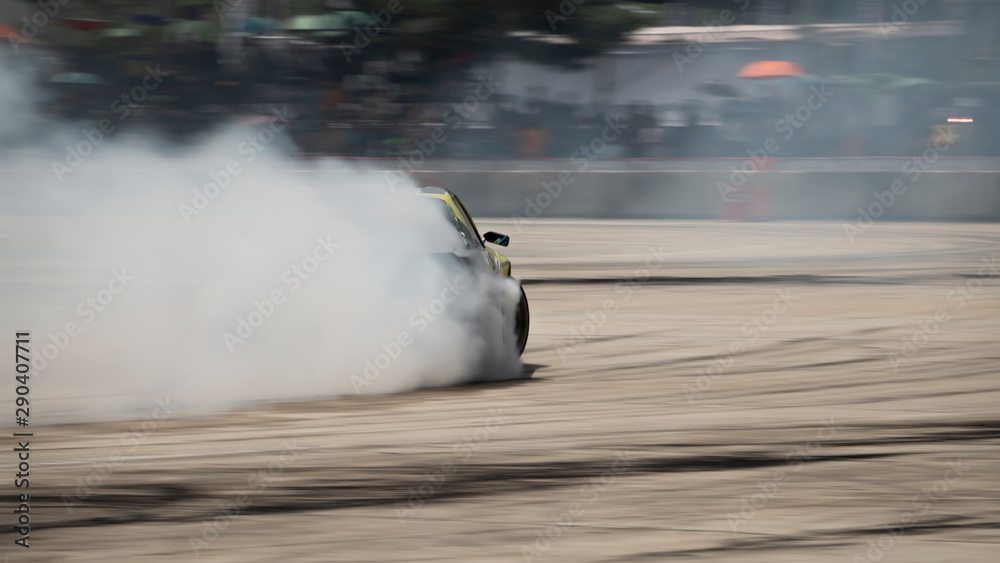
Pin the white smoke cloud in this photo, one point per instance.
(282, 286)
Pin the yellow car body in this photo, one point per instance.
(497, 262)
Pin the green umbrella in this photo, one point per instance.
(118, 32)
(329, 22)
(305, 23)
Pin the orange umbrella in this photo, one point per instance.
(771, 69)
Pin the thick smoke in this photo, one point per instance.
(217, 280)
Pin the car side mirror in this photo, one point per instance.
(497, 238)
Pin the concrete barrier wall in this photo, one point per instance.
(952, 189)
(952, 196)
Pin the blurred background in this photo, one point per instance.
(646, 336)
(373, 78)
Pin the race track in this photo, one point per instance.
(698, 391)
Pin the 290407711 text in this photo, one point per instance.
(22, 412)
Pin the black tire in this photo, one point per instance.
(522, 321)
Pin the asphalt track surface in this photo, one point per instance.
(803, 443)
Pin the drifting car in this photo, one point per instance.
(459, 216)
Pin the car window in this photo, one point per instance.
(467, 236)
(467, 218)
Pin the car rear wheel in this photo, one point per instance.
(521, 322)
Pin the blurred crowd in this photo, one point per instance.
(385, 104)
